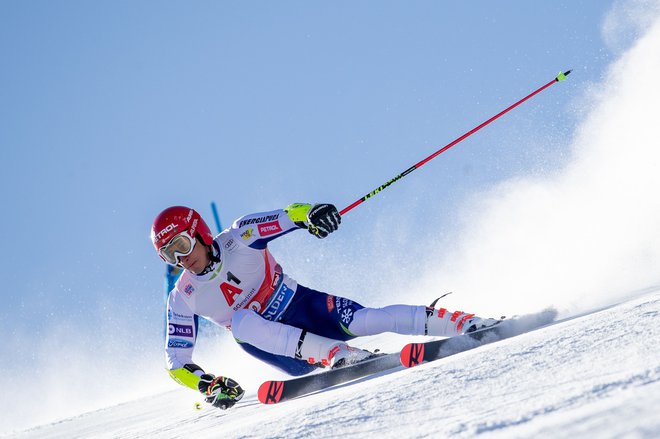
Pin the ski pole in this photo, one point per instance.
(560, 77)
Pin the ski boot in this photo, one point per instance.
(344, 355)
(443, 323)
(477, 324)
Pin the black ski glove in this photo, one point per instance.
(220, 392)
(323, 219)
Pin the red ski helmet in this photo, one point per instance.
(176, 219)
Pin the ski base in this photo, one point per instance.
(273, 392)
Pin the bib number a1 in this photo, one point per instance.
(231, 292)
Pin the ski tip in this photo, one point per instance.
(270, 392)
(412, 354)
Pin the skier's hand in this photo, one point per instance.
(220, 392)
(323, 219)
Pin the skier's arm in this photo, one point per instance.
(180, 342)
(258, 229)
(188, 375)
(221, 392)
(323, 219)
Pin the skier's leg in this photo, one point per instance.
(277, 343)
(291, 366)
(415, 320)
(324, 320)
(321, 313)
(400, 319)
(249, 327)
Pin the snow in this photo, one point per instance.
(588, 375)
(595, 375)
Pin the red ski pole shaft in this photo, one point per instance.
(560, 77)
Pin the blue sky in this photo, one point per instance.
(112, 111)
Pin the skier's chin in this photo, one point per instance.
(193, 267)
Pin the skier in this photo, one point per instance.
(234, 281)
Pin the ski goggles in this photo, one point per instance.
(181, 245)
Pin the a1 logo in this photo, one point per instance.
(230, 291)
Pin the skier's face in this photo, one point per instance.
(197, 260)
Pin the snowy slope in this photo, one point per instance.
(595, 375)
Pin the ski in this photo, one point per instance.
(273, 392)
(414, 354)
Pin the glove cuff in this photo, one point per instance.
(297, 212)
(206, 382)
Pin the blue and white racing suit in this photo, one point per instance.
(267, 311)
